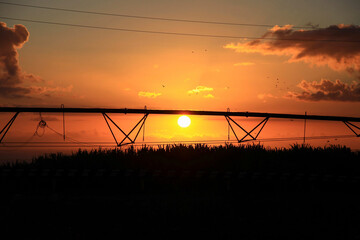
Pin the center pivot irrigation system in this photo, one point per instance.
(248, 135)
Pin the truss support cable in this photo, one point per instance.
(247, 133)
(142, 126)
(142, 120)
(104, 115)
(232, 129)
(7, 126)
(351, 127)
(127, 136)
(262, 124)
(354, 125)
(265, 121)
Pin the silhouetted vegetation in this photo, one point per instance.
(255, 157)
(178, 192)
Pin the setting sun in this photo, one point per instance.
(184, 121)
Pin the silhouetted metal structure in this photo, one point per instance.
(227, 114)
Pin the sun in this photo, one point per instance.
(184, 121)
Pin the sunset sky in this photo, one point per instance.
(46, 65)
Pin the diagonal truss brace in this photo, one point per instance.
(7, 126)
(351, 127)
(126, 136)
(262, 124)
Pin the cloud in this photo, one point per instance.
(11, 75)
(262, 96)
(341, 53)
(243, 64)
(51, 91)
(209, 96)
(265, 96)
(149, 94)
(14, 82)
(326, 90)
(14, 91)
(33, 78)
(199, 89)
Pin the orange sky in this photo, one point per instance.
(82, 67)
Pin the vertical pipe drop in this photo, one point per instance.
(304, 127)
(62, 106)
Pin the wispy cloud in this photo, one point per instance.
(200, 89)
(209, 96)
(149, 94)
(341, 53)
(327, 90)
(51, 91)
(243, 64)
(263, 96)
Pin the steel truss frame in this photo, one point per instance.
(127, 136)
(249, 135)
(262, 124)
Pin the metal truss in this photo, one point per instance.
(351, 127)
(126, 136)
(140, 125)
(262, 124)
(7, 126)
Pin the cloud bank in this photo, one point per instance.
(341, 53)
(11, 75)
(13, 79)
(326, 90)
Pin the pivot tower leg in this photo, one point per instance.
(352, 127)
(7, 126)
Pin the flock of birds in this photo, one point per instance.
(278, 85)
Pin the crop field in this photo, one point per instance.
(179, 191)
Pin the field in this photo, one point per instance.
(296, 159)
(179, 191)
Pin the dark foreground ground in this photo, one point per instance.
(184, 192)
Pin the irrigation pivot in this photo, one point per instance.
(348, 121)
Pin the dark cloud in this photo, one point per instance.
(14, 91)
(326, 90)
(11, 75)
(342, 53)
